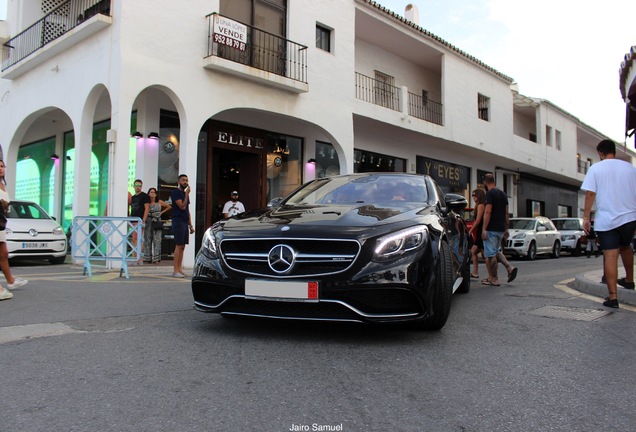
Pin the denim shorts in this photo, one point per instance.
(492, 244)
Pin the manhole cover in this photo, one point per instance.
(572, 313)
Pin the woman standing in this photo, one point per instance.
(12, 282)
(479, 195)
(152, 236)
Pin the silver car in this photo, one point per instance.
(532, 236)
(32, 233)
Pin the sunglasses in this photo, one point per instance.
(137, 185)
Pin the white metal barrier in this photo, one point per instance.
(108, 239)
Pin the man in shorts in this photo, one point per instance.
(181, 223)
(494, 228)
(611, 183)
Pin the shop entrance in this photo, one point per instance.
(235, 171)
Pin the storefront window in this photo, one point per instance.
(284, 167)
(366, 161)
(450, 177)
(327, 162)
(35, 173)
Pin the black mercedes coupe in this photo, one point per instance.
(372, 247)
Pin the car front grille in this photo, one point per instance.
(311, 257)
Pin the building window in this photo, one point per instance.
(564, 211)
(532, 137)
(557, 139)
(548, 136)
(483, 106)
(323, 38)
(366, 161)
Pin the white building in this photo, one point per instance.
(243, 94)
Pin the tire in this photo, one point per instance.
(58, 260)
(532, 251)
(556, 249)
(442, 292)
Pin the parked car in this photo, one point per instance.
(344, 248)
(532, 236)
(573, 237)
(32, 233)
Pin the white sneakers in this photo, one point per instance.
(5, 294)
(17, 283)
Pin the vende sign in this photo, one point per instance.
(229, 32)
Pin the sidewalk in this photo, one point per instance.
(590, 283)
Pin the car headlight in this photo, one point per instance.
(398, 243)
(208, 246)
(567, 237)
(519, 236)
(58, 231)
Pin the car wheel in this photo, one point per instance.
(556, 249)
(58, 260)
(577, 249)
(442, 292)
(532, 251)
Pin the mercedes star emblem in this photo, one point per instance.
(281, 258)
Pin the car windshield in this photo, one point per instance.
(368, 189)
(522, 224)
(567, 224)
(26, 210)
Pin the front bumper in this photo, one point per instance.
(397, 293)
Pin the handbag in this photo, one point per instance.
(157, 225)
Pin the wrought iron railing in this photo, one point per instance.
(248, 45)
(56, 23)
(377, 92)
(425, 109)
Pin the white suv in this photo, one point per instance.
(532, 236)
(573, 238)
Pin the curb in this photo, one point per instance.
(590, 283)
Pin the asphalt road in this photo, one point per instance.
(107, 354)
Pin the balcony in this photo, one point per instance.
(388, 96)
(246, 51)
(65, 26)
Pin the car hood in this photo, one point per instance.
(325, 216)
(24, 225)
(514, 232)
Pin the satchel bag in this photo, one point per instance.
(157, 225)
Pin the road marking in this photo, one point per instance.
(31, 331)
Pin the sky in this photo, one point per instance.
(566, 51)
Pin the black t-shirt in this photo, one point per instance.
(137, 202)
(499, 201)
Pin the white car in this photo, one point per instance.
(573, 237)
(32, 233)
(532, 236)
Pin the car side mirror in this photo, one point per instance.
(456, 202)
(542, 228)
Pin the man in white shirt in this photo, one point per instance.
(233, 206)
(612, 184)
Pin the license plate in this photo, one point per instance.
(35, 245)
(282, 291)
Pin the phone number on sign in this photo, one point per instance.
(233, 43)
